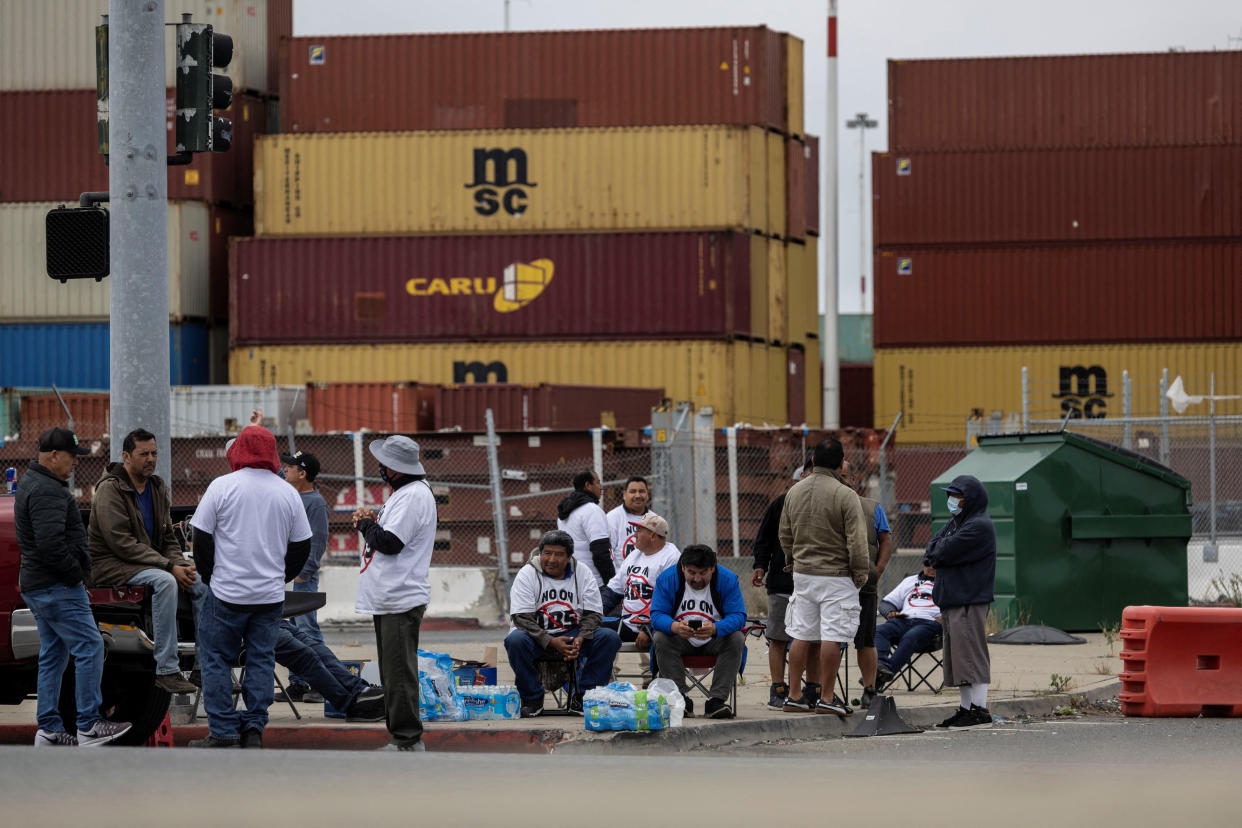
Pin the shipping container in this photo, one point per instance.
(221, 410)
(51, 150)
(857, 395)
(802, 291)
(795, 188)
(938, 389)
(378, 406)
(1057, 195)
(778, 294)
(27, 293)
(666, 178)
(814, 385)
(524, 80)
(742, 381)
(796, 386)
(1123, 292)
(545, 406)
(854, 338)
(1118, 100)
(811, 153)
(50, 44)
(75, 355)
(11, 407)
(453, 288)
(226, 223)
(91, 420)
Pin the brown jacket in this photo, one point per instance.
(117, 537)
(823, 528)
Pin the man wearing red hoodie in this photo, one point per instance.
(251, 537)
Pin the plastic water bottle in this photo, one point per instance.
(490, 701)
(10, 480)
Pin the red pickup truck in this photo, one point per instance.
(124, 617)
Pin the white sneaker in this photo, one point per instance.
(102, 732)
(54, 738)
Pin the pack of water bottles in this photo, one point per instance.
(491, 701)
(438, 698)
(618, 706)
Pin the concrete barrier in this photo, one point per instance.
(456, 592)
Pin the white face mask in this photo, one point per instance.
(955, 505)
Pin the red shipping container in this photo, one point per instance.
(1132, 292)
(795, 188)
(795, 386)
(454, 288)
(812, 185)
(857, 396)
(1159, 98)
(226, 223)
(91, 420)
(520, 407)
(495, 80)
(377, 406)
(51, 150)
(1057, 195)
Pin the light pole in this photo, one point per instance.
(862, 124)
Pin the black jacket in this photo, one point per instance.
(50, 532)
(964, 551)
(769, 556)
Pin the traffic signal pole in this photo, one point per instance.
(138, 186)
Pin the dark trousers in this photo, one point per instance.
(316, 665)
(899, 638)
(396, 638)
(222, 632)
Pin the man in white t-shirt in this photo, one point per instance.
(635, 503)
(580, 515)
(634, 584)
(555, 610)
(394, 586)
(251, 537)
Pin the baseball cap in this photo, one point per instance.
(61, 439)
(305, 460)
(653, 522)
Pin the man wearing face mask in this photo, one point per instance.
(963, 553)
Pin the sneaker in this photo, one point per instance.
(836, 706)
(717, 709)
(531, 708)
(54, 738)
(812, 693)
(174, 683)
(296, 692)
(575, 703)
(415, 747)
(958, 719)
(689, 711)
(210, 741)
(777, 697)
(371, 692)
(252, 738)
(366, 710)
(978, 716)
(793, 705)
(313, 697)
(883, 677)
(868, 696)
(102, 732)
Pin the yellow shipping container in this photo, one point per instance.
(802, 290)
(778, 278)
(760, 284)
(794, 84)
(742, 381)
(507, 181)
(939, 388)
(814, 385)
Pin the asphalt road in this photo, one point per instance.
(1089, 772)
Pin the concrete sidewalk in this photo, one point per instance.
(1021, 686)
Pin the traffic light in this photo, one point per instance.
(200, 52)
(77, 243)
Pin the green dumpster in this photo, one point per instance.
(1083, 528)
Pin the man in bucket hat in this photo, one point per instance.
(394, 586)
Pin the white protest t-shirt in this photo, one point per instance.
(585, 524)
(391, 584)
(253, 516)
(620, 532)
(635, 582)
(914, 599)
(558, 603)
(697, 604)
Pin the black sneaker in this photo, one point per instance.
(689, 712)
(213, 742)
(792, 705)
(531, 708)
(812, 693)
(252, 739)
(883, 677)
(868, 696)
(836, 706)
(958, 719)
(366, 709)
(295, 692)
(575, 703)
(779, 693)
(717, 709)
(979, 716)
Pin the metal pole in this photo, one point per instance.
(498, 504)
(1026, 400)
(138, 186)
(731, 443)
(289, 425)
(830, 362)
(1164, 417)
(507, 15)
(69, 418)
(888, 507)
(862, 123)
(597, 452)
(1212, 455)
(1127, 441)
(359, 480)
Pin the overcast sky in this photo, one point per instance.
(870, 32)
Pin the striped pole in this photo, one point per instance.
(828, 274)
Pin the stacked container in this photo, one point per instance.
(48, 132)
(1079, 216)
(512, 208)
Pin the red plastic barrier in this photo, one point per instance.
(163, 735)
(1181, 661)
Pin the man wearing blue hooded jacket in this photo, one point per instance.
(963, 553)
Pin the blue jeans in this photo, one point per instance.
(595, 659)
(67, 628)
(222, 631)
(164, 593)
(907, 635)
(319, 667)
(308, 622)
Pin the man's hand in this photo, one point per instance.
(256, 417)
(184, 575)
(893, 614)
(299, 580)
(567, 647)
(756, 578)
(708, 630)
(682, 629)
(363, 514)
(643, 641)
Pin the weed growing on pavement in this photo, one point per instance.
(1105, 666)
(1064, 710)
(1228, 589)
(1112, 634)
(1060, 683)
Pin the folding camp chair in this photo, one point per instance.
(560, 678)
(919, 669)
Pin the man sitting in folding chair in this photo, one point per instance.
(555, 611)
(913, 623)
(698, 610)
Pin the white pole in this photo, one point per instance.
(731, 441)
(862, 216)
(360, 485)
(828, 275)
(597, 452)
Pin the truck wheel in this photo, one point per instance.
(129, 695)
